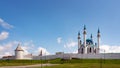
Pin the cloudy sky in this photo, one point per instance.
(53, 25)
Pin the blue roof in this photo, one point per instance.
(89, 41)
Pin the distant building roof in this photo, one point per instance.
(19, 48)
(7, 56)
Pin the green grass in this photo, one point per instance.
(19, 62)
(84, 65)
(108, 61)
(74, 63)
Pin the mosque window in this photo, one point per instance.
(82, 51)
(90, 49)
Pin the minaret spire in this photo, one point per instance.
(91, 36)
(98, 30)
(84, 27)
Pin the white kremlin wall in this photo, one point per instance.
(80, 56)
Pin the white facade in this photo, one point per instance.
(88, 46)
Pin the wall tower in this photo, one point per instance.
(19, 52)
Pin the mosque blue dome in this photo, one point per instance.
(89, 41)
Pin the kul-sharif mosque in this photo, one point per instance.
(88, 46)
(86, 50)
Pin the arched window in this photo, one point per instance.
(82, 51)
(90, 50)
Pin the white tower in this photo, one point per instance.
(19, 52)
(84, 38)
(98, 39)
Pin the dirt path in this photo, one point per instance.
(29, 66)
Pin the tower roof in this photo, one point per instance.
(84, 30)
(91, 36)
(79, 33)
(19, 48)
(98, 30)
(84, 27)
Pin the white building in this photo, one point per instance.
(88, 46)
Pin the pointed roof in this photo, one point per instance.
(79, 33)
(98, 30)
(91, 36)
(19, 48)
(84, 30)
(84, 27)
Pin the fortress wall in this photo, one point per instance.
(81, 56)
(45, 57)
(98, 56)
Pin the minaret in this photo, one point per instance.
(84, 38)
(98, 39)
(79, 41)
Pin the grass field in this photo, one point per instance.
(19, 62)
(74, 63)
(84, 65)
